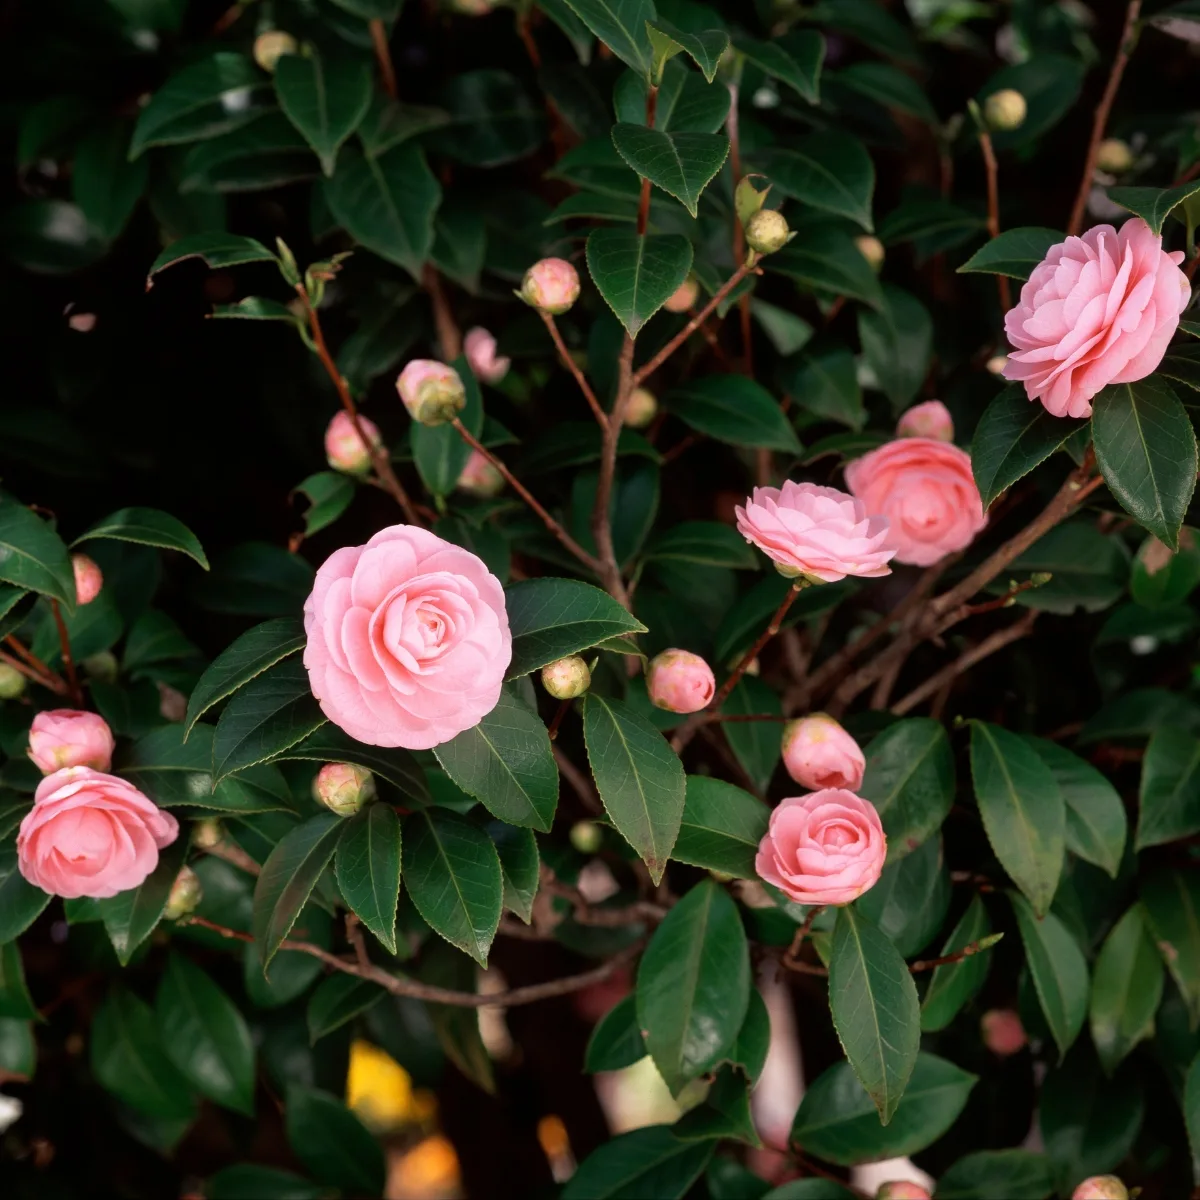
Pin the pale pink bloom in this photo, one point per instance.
(1003, 1033)
(69, 737)
(344, 449)
(480, 477)
(1098, 309)
(480, 348)
(817, 532)
(1101, 1187)
(408, 639)
(680, 681)
(82, 322)
(927, 492)
(551, 285)
(88, 578)
(929, 420)
(902, 1189)
(824, 848)
(91, 834)
(684, 296)
(431, 391)
(818, 753)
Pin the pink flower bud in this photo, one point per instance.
(1003, 1033)
(902, 1189)
(271, 46)
(551, 285)
(432, 392)
(207, 833)
(344, 449)
(12, 682)
(684, 296)
(186, 894)
(680, 681)
(871, 248)
(641, 408)
(480, 349)
(67, 737)
(172, 703)
(818, 753)
(88, 579)
(82, 322)
(343, 788)
(1101, 1187)
(929, 420)
(479, 477)
(567, 678)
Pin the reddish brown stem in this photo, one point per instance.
(643, 217)
(557, 720)
(993, 195)
(572, 366)
(448, 334)
(610, 569)
(64, 642)
(37, 670)
(767, 634)
(383, 56)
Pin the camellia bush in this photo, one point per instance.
(750, 547)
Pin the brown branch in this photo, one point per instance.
(972, 948)
(643, 216)
(639, 912)
(578, 781)
(802, 932)
(64, 642)
(234, 855)
(354, 935)
(767, 634)
(609, 568)
(383, 56)
(572, 366)
(993, 196)
(1100, 120)
(448, 334)
(32, 667)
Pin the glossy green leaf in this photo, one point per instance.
(1182, 365)
(826, 385)
(704, 48)
(1153, 205)
(1127, 986)
(828, 171)
(147, 527)
(20, 902)
(889, 86)
(897, 342)
(639, 777)
(492, 119)
(1088, 570)
(693, 985)
(266, 152)
(824, 259)
(621, 26)
(1146, 451)
(205, 1035)
(1162, 579)
(452, 872)
(799, 65)
(802, 1189)
(637, 275)
(131, 916)
(1172, 902)
(1014, 253)
(263, 1183)
(721, 828)
(338, 999)
(650, 1161)
(869, 23)
(368, 870)
(1191, 1106)
(708, 543)
(755, 744)
(682, 164)
(330, 744)
(32, 555)
(217, 249)
(617, 1040)
(1050, 84)
(15, 1001)
(685, 104)
(332, 1142)
(1169, 798)
(1022, 810)
(1013, 1174)
(329, 494)
(520, 864)
(734, 409)
(105, 184)
(325, 99)
(1059, 971)
(724, 1114)
(954, 985)
(909, 902)
(931, 222)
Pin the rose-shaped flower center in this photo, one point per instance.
(924, 507)
(835, 835)
(421, 625)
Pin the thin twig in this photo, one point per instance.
(354, 935)
(32, 667)
(578, 781)
(234, 855)
(802, 932)
(993, 195)
(383, 56)
(643, 216)
(448, 334)
(572, 366)
(64, 642)
(767, 634)
(609, 568)
(972, 948)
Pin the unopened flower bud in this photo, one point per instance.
(1005, 109)
(551, 285)
(172, 703)
(480, 348)
(767, 231)
(1114, 156)
(12, 682)
(567, 678)
(902, 1189)
(344, 449)
(871, 248)
(641, 408)
(680, 681)
(1101, 1187)
(207, 833)
(586, 836)
(186, 894)
(684, 296)
(997, 363)
(343, 788)
(102, 666)
(432, 392)
(470, 8)
(88, 579)
(82, 322)
(479, 477)
(271, 46)
(931, 419)
(1003, 1033)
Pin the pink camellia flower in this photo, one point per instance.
(479, 477)
(88, 578)
(824, 848)
(684, 296)
(818, 753)
(929, 420)
(91, 834)
(680, 681)
(480, 348)
(1098, 309)
(1101, 1187)
(68, 737)
(926, 490)
(902, 1189)
(431, 391)
(551, 285)
(1003, 1033)
(344, 449)
(408, 639)
(816, 532)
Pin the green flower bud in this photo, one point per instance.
(271, 46)
(871, 248)
(1114, 156)
(12, 682)
(186, 894)
(102, 667)
(343, 788)
(767, 231)
(432, 392)
(587, 837)
(641, 408)
(567, 678)
(1005, 110)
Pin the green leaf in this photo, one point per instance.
(1013, 1174)
(639, 777)
(954, 985)
(800, 68)
(507, 763)
(453, 875)
(617, 1040)
(1127, 986)
(875, 1011)
(131, 916)
(32, 555)
(105, 184)
(693, 985)
(1191, 1107)
(621, 26)
(330, 744)
(708, 543)
(1182, 365)
(647, 1162)
(520, 864)
(682, 164)
(909, 902)
(15, 1001)
(828, 171)
(837, 1120)
(389, 123)
(755, 744)
(338, 999)
(802, 1189)
(332, 1143)
(1050, 84)
(1013, 436)
(734, 409)
(826, 385)
(685, 104)
(20, 902)
(217, 249)
(1161, 579)
(1172, 902)
(329, 494)
(387, 203)
(1014, 253)
(824, 259)
(909, 778)
(553, 618)
(1146, 451)
(1169, 797)
(723, 1114)
(325, 100)
(897, 343)
(1059, 970)
(1088, 570)
(147, 527)
(933, 223)
(492, 119)
(721, 828)
(787, 332)
(704, 48)
(1022, 810)
(889, 86)
(1153, 205)
(267, 152)
(270, 714)
(368, 870)
(50, 237)
(637, 275)
(288, 878)
(205, 1036)
(263, 1183)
